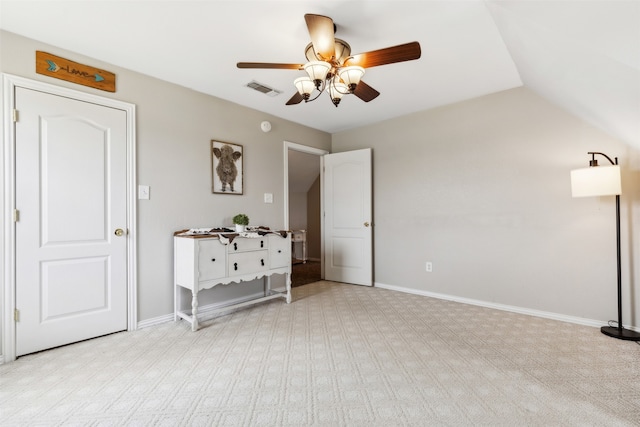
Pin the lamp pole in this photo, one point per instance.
(618, 331)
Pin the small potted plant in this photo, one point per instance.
(241, 221)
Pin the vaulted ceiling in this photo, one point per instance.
(581, 55)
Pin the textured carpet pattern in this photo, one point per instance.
(338, 355)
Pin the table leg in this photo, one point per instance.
(194, 311)
(267, 285)
(304, 250)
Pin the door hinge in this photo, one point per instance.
(16, 215)
(16, 315)
(16, 115)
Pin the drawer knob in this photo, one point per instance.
(213, 260)
(262, 262)
(235, 266)
(279, 251)
(235, 246)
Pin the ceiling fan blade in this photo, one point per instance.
(365, 92)
(269, 65)
(389, 55)
(295, 99)
(322, 32)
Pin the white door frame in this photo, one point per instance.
(8, 233)
(320, 153)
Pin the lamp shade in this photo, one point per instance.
(596, 181)
(317, 70)
(304, 85)
(337, 90)
(351, 76)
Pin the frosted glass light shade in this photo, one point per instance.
(351, 76)
(596, 181)
(337, 90)
(304, 85)
(317, 70)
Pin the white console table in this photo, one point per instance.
(205, 260)
(300, 236)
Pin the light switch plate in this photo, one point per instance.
(268, 197)
(144, 192)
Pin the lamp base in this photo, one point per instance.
(622, 334)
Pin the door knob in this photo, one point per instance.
(366, 224)
(119, 232)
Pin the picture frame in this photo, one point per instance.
(227, 170)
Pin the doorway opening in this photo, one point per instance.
(303, 208)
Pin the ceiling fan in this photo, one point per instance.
(332, 67)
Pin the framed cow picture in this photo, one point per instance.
(226, 168)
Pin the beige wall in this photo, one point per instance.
(482, 190)
(314, 222)
(479, 188)
(297, 210)
(174, 129)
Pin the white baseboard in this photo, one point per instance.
(503, 307)
(155, 321)
(206, 312)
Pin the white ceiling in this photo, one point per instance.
(582, 55)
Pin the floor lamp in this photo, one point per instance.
(604, 181)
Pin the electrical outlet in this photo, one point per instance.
(429, 267)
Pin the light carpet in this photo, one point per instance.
(338, 355)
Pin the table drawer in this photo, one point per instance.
(211, 259)
(250, 244)
(279, 251)
(299, 236)
(248, 262)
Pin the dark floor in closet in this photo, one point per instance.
(303, 273)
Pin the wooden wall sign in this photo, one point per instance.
(64, 69)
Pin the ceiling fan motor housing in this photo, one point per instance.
(343, 50)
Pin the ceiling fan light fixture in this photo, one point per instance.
(305, 86)
(328, 58)
(317, 71)
(336, 91)
(351, 76)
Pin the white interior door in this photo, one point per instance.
(71, 194)
(348, 217)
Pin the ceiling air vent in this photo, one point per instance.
(263, 88)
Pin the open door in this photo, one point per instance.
(348, 236)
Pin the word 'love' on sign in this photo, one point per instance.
(64, 69)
